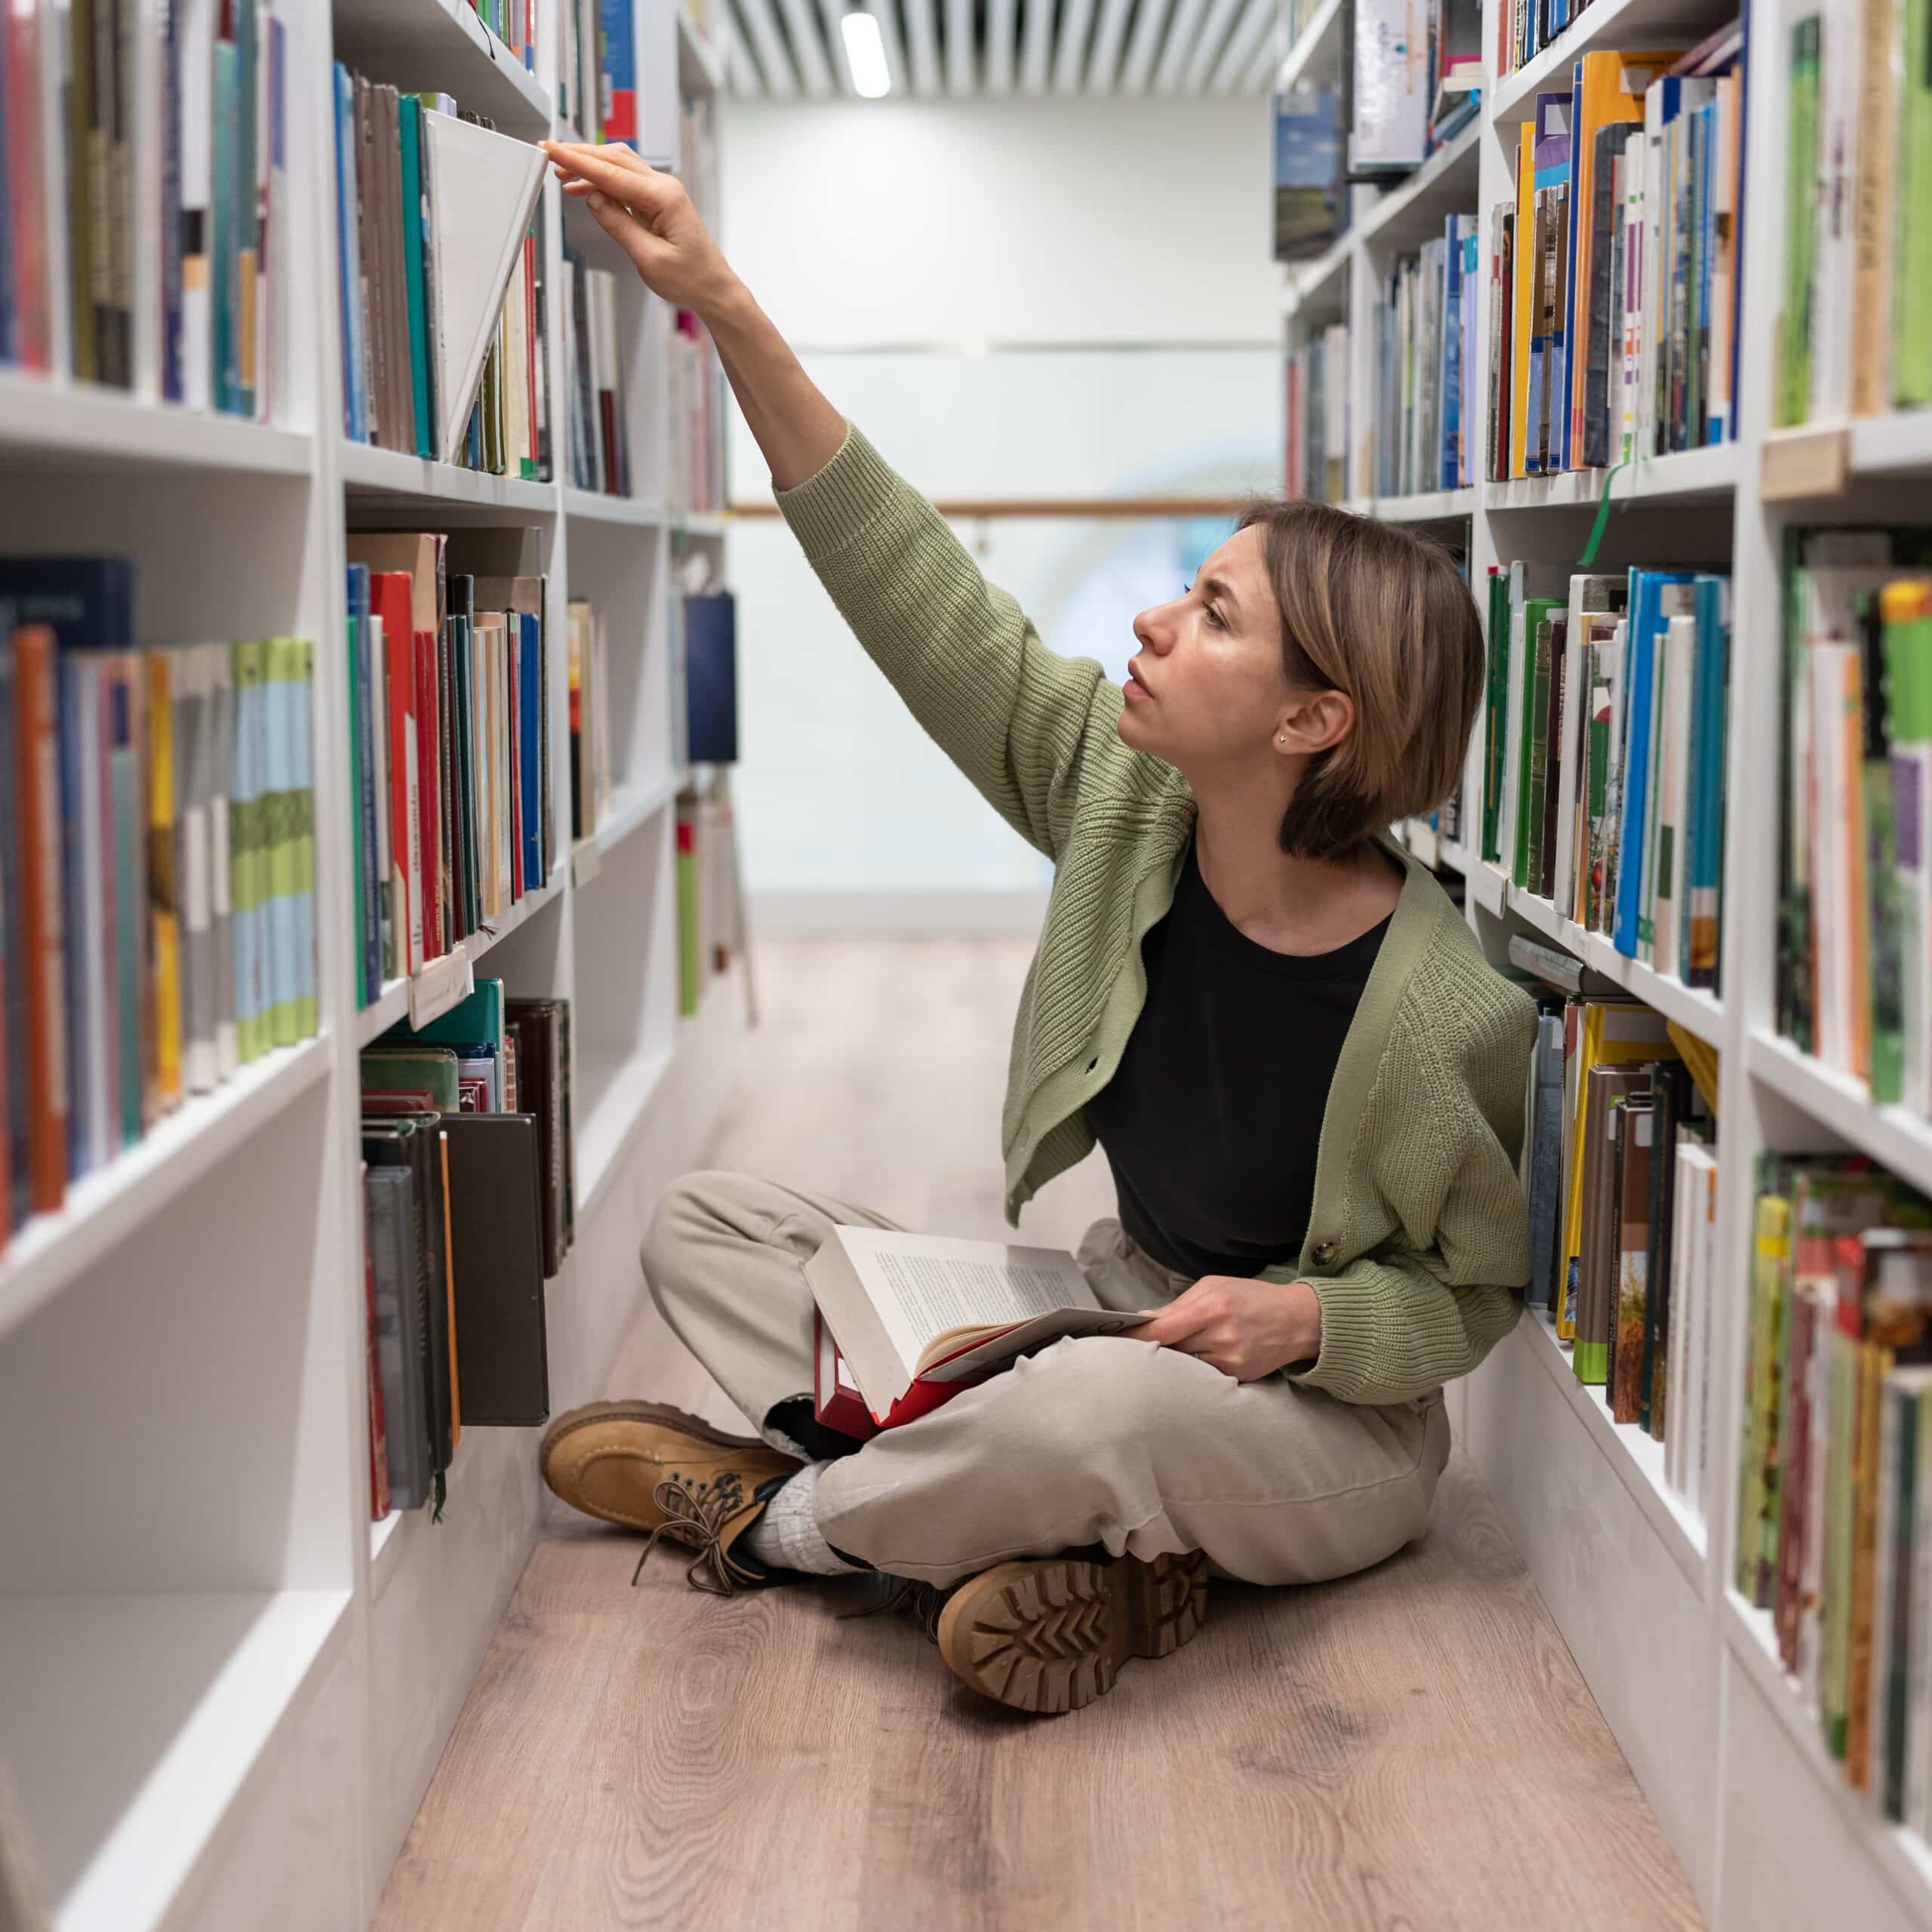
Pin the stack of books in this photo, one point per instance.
(1619, 1165)
(598, 431)
(590, 719)
(1425, 376)
(449, 710)
(583, 86)
(412, 267)
(1603, 754)
(1835, 1504)
(467, 1201)
(145, 200)
(157, 868)
(1317, 416)
(1855, 333)
(1614, 273)
(1854, 981)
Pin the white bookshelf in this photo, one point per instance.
(223, 1690)
(1639, 1581)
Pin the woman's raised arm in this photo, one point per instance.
(649, 216)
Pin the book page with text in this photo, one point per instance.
(924, 1284)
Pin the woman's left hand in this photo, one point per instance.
(1247, 1329)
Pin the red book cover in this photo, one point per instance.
(428, 776)
(36, 775)
(389, 600)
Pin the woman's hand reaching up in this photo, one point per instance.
(650, 215)
(1247, 1329)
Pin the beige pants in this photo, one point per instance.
(1094, 1440)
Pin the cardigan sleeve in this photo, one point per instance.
(1025, 725)
(1426, 1304)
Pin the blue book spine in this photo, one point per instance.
(171, 379)
(1639, 659)
(221, 252)
(1703, 868)
(73, 914)
(355, 418)
(620, 69)
(1450, 377)
(13, 911)
(530, 752)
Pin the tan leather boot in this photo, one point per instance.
(649, 1466)
(1050, 1633)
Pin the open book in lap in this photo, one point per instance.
(905, 1321)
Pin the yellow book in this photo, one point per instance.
(1613, 1034)
(1524, 283)
(1613, 91)
(163, 914)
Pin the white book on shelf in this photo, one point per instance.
(194, 29)
(482, 189)
(57, 263)
(1679, 658)
(142, 39)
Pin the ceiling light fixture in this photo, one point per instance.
(864, 54)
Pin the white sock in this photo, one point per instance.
(787, 1533)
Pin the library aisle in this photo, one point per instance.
(1387, 1749)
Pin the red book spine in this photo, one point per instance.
(428, 771)
(36, 771)
(388, 599)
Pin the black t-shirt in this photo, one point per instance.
(1212, 1120)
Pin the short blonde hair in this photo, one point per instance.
(1369, 609)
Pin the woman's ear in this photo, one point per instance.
(1312, 721)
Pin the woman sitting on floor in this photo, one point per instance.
(1307, 1081)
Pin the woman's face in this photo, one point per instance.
(1208, 687)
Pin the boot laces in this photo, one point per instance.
(699, 1515)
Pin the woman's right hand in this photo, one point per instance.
(650, 215)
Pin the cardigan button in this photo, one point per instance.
(1325, 1252)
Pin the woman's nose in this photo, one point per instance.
(1148, 629)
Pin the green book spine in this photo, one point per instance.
(247, 877)
(688, 979)
(307, 1005)
(1535, 673)
(1792, 403)
(1912, 301)
(1772, 1240)
(1899, 1611)
(1497, 695)
(1834, 1617)
(1538, 758)
(410, 125)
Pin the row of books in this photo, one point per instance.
(407, 267)
(709, 927)
(1854, 981)
(517, 24)
(1833, 1538)
(449, 713)
(143, 201)
(468, 1203)
(1317, 415)
(1855, 333)
(590, 664)
(1604, 753)
(1614, 272)
(696, 411)
(1425, 377)
(1620, 1167)
(157, 868)
(597, 425)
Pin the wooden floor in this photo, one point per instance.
(1410, 1748)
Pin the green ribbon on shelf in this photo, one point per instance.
(1588, 558)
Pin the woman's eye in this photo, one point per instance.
(1214, 618)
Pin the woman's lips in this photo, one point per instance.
(1133, 690)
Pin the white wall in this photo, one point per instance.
(999, 294)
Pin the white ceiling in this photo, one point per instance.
(792, 49)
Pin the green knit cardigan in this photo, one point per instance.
(1418, 1236)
